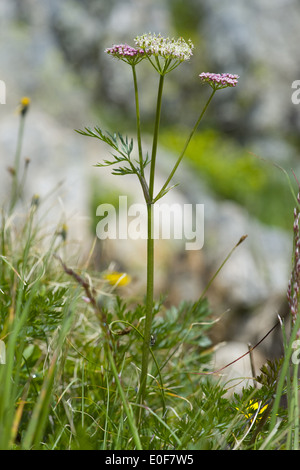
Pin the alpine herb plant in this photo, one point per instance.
(164, 54)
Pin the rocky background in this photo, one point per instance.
(52, 51)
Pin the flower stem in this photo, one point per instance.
(149, 306)
(164, 188)
(138, 121)
(155, 135)
(150, 252)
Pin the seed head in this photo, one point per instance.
(294, 282)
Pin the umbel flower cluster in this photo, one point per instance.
(219, 80)
(126, 53)
(157, 45)
(154, 45)
(166, 54)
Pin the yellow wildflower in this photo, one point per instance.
(24, 105)
(252, 409)
(118, 279)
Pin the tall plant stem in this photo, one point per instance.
(150, 252)
(149, 306)
(164, 188)
(138, 120)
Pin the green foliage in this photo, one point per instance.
(270, 373)
(187, 323)
(47, 311)
(187, 343)
(119, 144)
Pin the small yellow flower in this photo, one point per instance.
(24, 105)
(252, 409)
(118, 279)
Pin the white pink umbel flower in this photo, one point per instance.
(157, 45)
(165, 54)
(218, 81)
(126, 53)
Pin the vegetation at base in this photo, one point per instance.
(57, 387)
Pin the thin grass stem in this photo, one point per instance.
(15, 186)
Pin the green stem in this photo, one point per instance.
(153, 357)
(155, 135)
(149, 306)
(150, 252)
(138, 121)
(15, 186)
(162, 191)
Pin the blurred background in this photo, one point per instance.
(53, 52)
